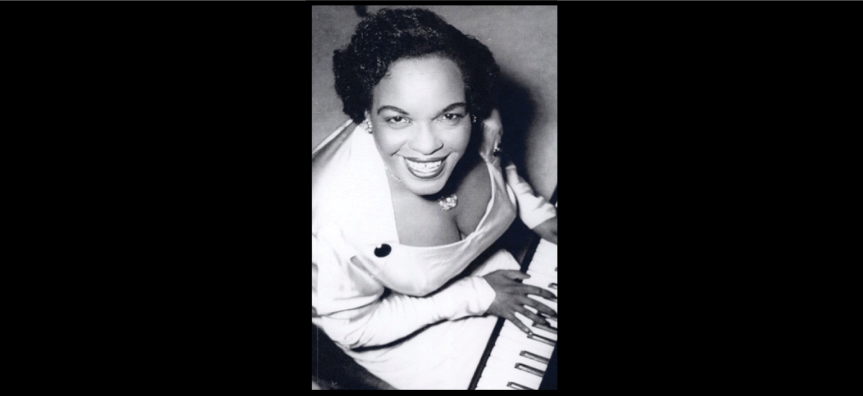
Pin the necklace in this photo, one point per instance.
(447, 203)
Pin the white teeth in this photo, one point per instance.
(424, 167)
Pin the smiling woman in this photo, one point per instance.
(407, 277)
(419, 115)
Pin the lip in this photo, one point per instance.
(433, 176)
(413, 159)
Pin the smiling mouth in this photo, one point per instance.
(425, 169)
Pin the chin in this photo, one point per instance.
(425, 188)
(431, 187)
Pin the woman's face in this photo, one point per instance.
(420, 122)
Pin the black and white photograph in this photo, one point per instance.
(155, 192)
(434, 197)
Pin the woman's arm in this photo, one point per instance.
(354, 313)
(534, 210)
(397, 316)
(548, 230)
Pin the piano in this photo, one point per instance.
(513, 359)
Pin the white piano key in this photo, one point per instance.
(532, 346)
(532, 338)
(510, 349)
(513, 355)
(517, 386)
(537, 348)
(550, 327)
(551, 319)
(546, 248)
(543, 333)
(544, 259)
(522, 340)
(550, 304)
(542, 281)
(510, 373)
(544, 256)
(491, 378)
(540, 270)
(534, 329)
(553, 307)
(514, 332)
(484, 381)
(494, 383)
(537, 274)
(541, 274)
(541, 278)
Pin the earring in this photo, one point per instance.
(368, 126)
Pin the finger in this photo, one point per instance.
(512, 318)
(514, 275)
(532, 316)
(538, 291)
(537, 305)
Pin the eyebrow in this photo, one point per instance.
(400, 111)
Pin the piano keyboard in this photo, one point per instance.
(517, 360)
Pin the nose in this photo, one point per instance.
(425, 141)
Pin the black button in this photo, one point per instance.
(383, 250)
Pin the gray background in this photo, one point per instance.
(523, 40)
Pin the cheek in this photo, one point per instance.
(460, 141)
(388, 144)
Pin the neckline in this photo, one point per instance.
(480, 225)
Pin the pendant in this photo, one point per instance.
(447, 203)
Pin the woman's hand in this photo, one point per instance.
(511, 297)
(548, 230)
(492, 133)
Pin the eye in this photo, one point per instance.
(397, 121)
(451, 118)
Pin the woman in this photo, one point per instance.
(407, 207)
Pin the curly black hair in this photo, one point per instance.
(394, 34)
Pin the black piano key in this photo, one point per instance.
(534, 356)
(541, 339)
(516, 386)
(549, 329)
(528, 369)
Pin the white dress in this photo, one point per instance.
(410, 315)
